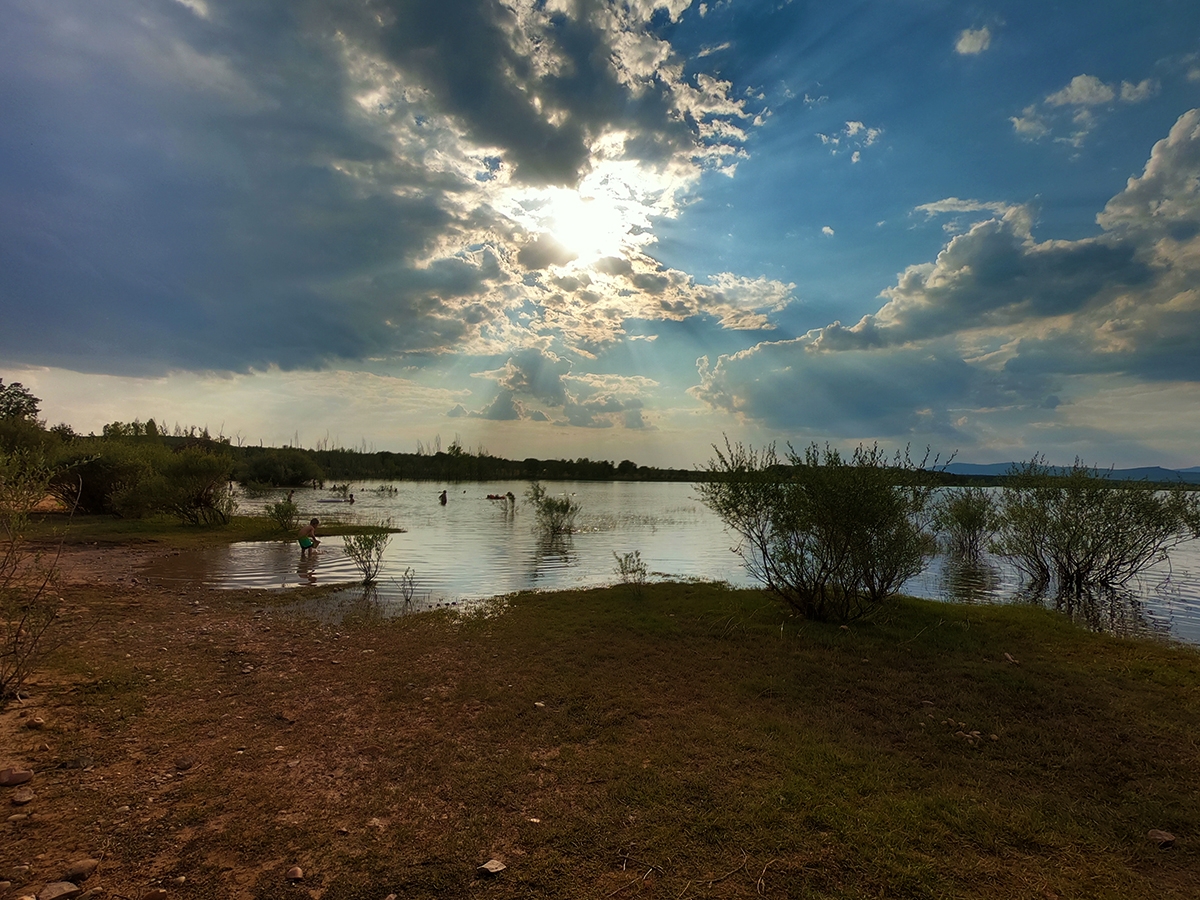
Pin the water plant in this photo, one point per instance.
(966, 519)
(365, 548)
(555, 515)
(833, 537)
(1077, 531)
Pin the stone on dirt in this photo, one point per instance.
(23, 796)
(295, 873)
(492, 867)
(60, 890)
(12, 777)
(80, 869)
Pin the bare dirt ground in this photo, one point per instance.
(193, 741)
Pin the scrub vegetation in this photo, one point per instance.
(834, 537)
(1075, 533)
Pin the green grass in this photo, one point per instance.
(695, 741)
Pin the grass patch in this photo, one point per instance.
(694, 742)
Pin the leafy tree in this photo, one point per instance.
(833, 537)
(285, 467)
(16, 402)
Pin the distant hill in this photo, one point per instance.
(1143, 473)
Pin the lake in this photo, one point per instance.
(473, 548)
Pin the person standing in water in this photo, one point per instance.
(442, 498)
(308, 538)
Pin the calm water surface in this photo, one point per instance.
(474, 548)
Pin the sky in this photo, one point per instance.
(562, 229)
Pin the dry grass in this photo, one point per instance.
(696, 742)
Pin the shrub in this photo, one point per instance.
(631, 570)
(285, 514)
(104, 476)
(29, 600)
(1079, 531)
(192, 485)
(555, 515)
(966, 518)
(832, 537)
(366, 548)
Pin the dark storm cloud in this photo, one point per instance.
(211, 186)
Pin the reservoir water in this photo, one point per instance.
(473, 548)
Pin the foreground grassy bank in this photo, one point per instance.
(692, 741)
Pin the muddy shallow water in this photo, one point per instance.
(474, 548)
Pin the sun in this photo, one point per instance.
(591, 227)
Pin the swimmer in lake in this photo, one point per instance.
(308, 538)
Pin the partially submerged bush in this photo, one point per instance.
(555, 515)
(833, 537)
(366, 548)
(966, 519)
(29, 601)
(1078, 532)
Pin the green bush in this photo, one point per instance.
(1077, 532)
(832, 537)
(366, 548)
(555, 515)
(966, 518)
(285, 514)
(106, 475)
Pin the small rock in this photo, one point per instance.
(80, 870)
(43, 748)
(60, 890)
(11, 777)
(179, 880)
(18, 817)
(492, 867)
(343, 830)
(23, 796)
(185, 762)
(1009, 657)
(1164, 839)
(36, 723)
(295, 873)
(539, 704)
(122, 809)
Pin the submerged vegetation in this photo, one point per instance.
(1072, 534)
(555, 514)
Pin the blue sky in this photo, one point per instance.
(615, 231)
